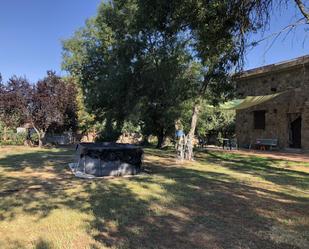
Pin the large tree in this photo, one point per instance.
(125, 56)
(108, 56)
(217, 30)
(125, 70)
(101, 64)
(167, 77)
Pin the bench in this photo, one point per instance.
(262, 143)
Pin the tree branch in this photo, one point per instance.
(276, 35)
(303, 9)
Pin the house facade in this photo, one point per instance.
(284, 117)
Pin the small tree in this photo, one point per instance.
(14, 96)
(51, 100)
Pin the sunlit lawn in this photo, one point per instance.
(219, 201)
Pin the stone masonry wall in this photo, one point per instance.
(296, 100)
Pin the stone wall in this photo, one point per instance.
(305, 126)
(295, 81)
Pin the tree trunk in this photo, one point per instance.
(145, 140)
(41, 136)
(188, 155)
(160, 137)
(42, 139)
(4, 133)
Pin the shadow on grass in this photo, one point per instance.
(188, 208)
(49, 176)
(258, 166)
(42, 244)
(38, 159)
(203, 213)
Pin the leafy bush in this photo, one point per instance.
(34, 138)
(130, 127)
(13, 138)
(20, 138)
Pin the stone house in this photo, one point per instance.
(284, 117)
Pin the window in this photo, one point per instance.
(259, 119)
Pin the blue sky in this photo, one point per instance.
(31, 32)
(287, 45)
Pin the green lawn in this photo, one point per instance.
(218, 201)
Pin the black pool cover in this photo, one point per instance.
(109, 159)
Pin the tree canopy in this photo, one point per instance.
(141, 60)
(125, 73)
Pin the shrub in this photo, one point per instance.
(34, 138)
(20, 138)
(14, 138)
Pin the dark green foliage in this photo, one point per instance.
(212, 121)
(110, 131)
(34, 138)
(216, 123)
(141, 60)
(127, 74)
(11, 137)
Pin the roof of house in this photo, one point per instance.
(281, 66)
